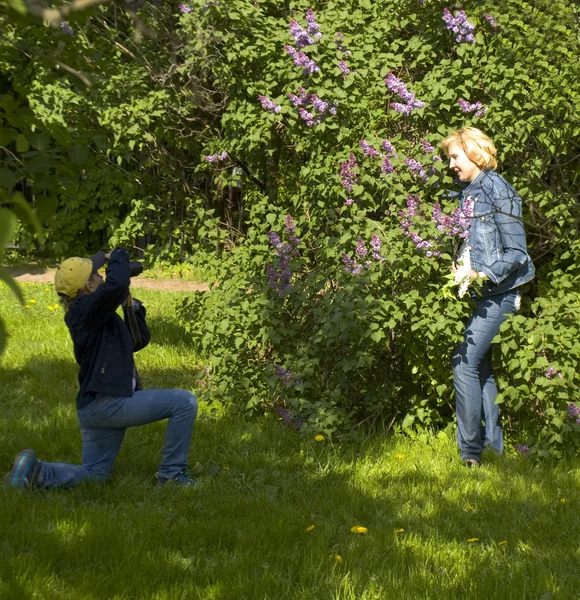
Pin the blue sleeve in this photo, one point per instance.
(507, 212)
(102, 304)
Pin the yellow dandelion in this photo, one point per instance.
(563, 501)
(503, 543)
(319, 438)
(197, 464)
(359, 529)
(46, 290)
(471, 540)
(309, 528)
(32, 301)
(335, 557)
(226, 468)
(400, 456)
(50, 307)
(56, 305)
(399, 530)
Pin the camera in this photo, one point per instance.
(136, 268)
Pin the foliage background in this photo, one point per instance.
(121, 160)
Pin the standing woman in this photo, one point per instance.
(496, 248)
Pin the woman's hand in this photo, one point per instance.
(474, 274)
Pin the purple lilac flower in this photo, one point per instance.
(66, 28)
(389, 149)
(467, 108)
(285, 375)
(522, 449)
(301, 60)
(284, 414)
(308, 117)
(460, 26)
(492, 22)
(301, 36)
(348, 202)
(216, 157)
(573, 410)
(304, 37)
(427, 147)
(456, 224)
(347, 172)
(551, 372)
(416, 167)
(267, 104)
(279, 279)
(302, 100)
(313, 26)
(368, 150)
(399, 88)
(184, 9)
(344, 68)
(319, 104)
(376, 247)
(361, 249)
(350, 265)
(387, 166)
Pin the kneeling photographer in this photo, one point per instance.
(110, 398)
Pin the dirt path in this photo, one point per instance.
(31, 275)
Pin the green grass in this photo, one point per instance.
(242, 534)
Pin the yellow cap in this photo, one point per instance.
(72, 276)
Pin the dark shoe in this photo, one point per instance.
(471, 463)
(181, 479)
(25, 471)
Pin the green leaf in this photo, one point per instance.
(78, 154)
(7, 178)
(11, 283)
(22, 144)
(46, 207)
(19, 200)
(20, 7)
(8, 222)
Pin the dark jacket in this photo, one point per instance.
(103, 344)
(497, 238)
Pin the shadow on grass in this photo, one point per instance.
(166, 332)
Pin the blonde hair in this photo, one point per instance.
(476, 145)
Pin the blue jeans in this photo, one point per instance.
(103, 423)
(475, 388)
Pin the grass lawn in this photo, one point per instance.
(273, 512)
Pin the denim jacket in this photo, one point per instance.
(497, 240)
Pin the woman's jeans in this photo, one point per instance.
(103, 423)
(475, 388)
